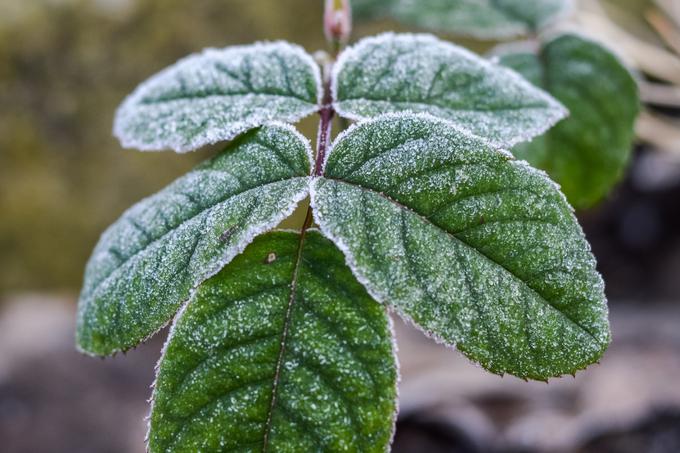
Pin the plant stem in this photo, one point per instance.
(326, 123)
(326, 114)
(324, 137)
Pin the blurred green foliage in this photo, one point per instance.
(64, 68)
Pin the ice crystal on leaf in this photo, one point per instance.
(477, 249)
(420, 73)
(218, 94)
(147, 263)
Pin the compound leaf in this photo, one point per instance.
(419, 73)
(485, 19)
(282, 351)
(147, 263)
(588, 152)
(216, 95)
(478, 249)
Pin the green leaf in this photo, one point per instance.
(419, 73)
(485, 19)
(588, 152)
(281, 351)
(368, 9)
(218, 94)
(478, 249)
(148, 262)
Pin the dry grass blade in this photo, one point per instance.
(659, 94)
(661, 132)
(668, 31)
(671, 8)
(652, 60)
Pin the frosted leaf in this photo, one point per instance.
(281, 351)
(589, 151)
(216, 95)
(479, 250)
(148, 262)
(419, 73)
(485, 19)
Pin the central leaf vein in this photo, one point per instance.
(480, 253)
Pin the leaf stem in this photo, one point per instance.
(323, 140)
(326, 123)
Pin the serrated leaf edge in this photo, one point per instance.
(374, 293)
(382, 299)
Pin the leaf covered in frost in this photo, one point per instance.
(588, 152)
(147, 263)
(216, 95)
(281, 351)
(485, 19)
(478, 249)
(420, 73)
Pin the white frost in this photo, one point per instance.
(420, 73)
(215, 95)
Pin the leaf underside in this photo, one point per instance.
(485, 19)
(282, 351)
(419, 73)
(588, 152)
(479, 250)
(218, 94)
(146, 264)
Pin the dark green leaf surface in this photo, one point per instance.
(368, 9)
(486, 19)
(588, 152)
(146, 264)
(218, 94)
(481, 251)
(419, 73)
(282, 351)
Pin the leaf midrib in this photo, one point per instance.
(452, 235)
(284, 339)
(452, 108)
(169, 99)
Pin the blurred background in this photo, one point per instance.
(65, 65)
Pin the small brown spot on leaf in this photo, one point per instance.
(271, 257)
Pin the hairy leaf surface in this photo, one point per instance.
(479, 250)
(282, 351)
(486, 19)
(147, 263)
(419, 73)
(588, 152)
(216, 95)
